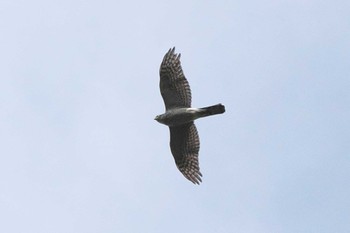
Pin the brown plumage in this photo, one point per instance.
(179, 116)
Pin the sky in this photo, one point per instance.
(80, 150)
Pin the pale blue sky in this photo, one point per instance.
(80, 151)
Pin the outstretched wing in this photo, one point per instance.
(184, 144)
(173, 85)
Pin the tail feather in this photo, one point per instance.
(213, 110)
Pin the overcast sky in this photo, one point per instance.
(80, 150)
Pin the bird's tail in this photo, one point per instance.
(212, 110)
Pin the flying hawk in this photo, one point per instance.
(179, 116)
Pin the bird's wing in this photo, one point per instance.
(173, 84)
(184, 144)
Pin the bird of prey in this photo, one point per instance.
(180, 116)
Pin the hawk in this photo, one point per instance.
(180, 116)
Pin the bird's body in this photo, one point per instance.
(180, 116)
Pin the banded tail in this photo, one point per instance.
(212, 110)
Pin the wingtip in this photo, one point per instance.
(170, 51)
(195, 178)
(197, 182)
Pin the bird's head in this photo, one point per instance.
(160, 118)
(157, 118)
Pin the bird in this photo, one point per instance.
(180, 116)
